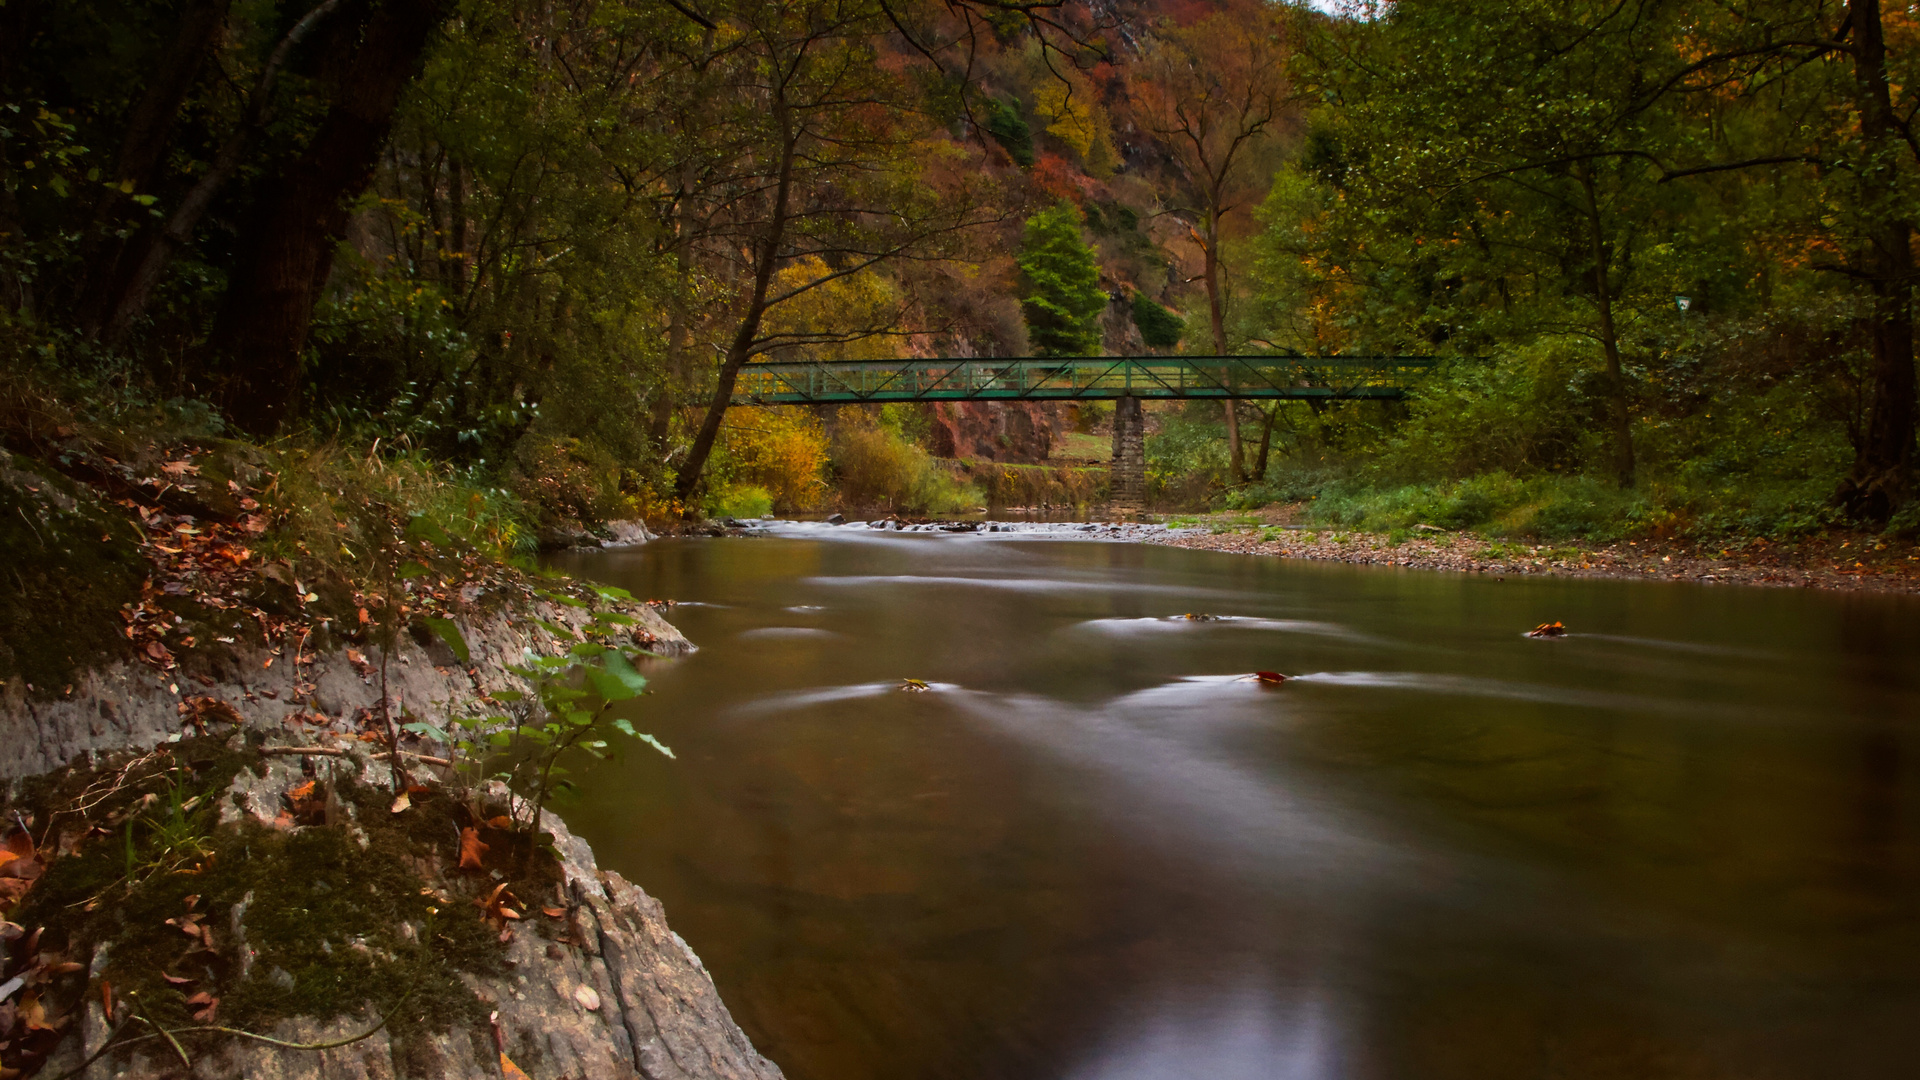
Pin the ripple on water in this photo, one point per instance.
(786, 633)
(1175, 623)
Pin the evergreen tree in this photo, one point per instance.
(1064, 298)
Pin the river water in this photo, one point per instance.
(1682, 842)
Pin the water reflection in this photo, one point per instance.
(1680, 843)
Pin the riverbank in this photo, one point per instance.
(1853, 562)
(211, 866)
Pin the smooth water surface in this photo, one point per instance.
(1680, 843)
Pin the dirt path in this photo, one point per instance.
(1855, 562)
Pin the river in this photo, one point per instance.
(1682, 842)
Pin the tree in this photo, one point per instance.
(1063, 297)
(832, 161)
(260, 335)
(1213, 92)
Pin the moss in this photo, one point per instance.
(71, 562)
(333, 919)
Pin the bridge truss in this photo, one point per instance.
(1081, 378)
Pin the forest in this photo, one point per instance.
(522, 251)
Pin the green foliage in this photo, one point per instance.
(1009, 129)
(575, 690)
(740, 501)
(877, 467)
(1063, 300)
(1159, 328)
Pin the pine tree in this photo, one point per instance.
(1064, 298)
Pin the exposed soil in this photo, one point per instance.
(1851, 561)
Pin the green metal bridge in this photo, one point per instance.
(1080, 378)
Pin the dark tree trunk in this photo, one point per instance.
(1882, 476)
(1619, 404)
(261, 334)
(767, 259)
(144, 147)
(18, 22)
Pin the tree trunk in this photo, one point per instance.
(261, 333)
(1217, 319)
(1882, 476)
(1618, 405)
(1266, 442)
(742, 349)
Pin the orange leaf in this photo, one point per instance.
(554, 912)
(471, 849)
(509, 1070)
(19, 846)
(304, 791)
(502, 822)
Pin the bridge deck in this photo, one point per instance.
(1079, 379)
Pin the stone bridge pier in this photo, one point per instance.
(1127, 474)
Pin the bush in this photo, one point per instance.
(876, 466)
(1010, 130)
(781, 451)
(1159, 327)
(740, 501)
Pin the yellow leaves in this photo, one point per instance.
(781, 449)
(1075, 117)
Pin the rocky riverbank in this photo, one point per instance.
(1852, 562)
(268, 891)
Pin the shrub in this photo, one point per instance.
(783, 452)
(877, 466)
(1010, 130)
(1159, 327)
(740, 501)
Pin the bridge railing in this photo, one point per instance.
(1079, 378)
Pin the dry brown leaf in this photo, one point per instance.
(554, 912)
(402, 803)
(471, 849)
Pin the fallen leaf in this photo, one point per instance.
(554, 912)
(509, 1070)
(19, 845)
(471, 849)
(501, 821)
(303, 791)
(33, 1013)
(177, 980)
(403, 802)
(1271, 677)
(585, 995)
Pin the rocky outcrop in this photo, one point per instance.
(611, 994)
(129, 704)
(617, 996)
(1018, 433)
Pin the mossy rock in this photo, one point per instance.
(73, 560)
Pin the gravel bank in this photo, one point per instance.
(1856, 562)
